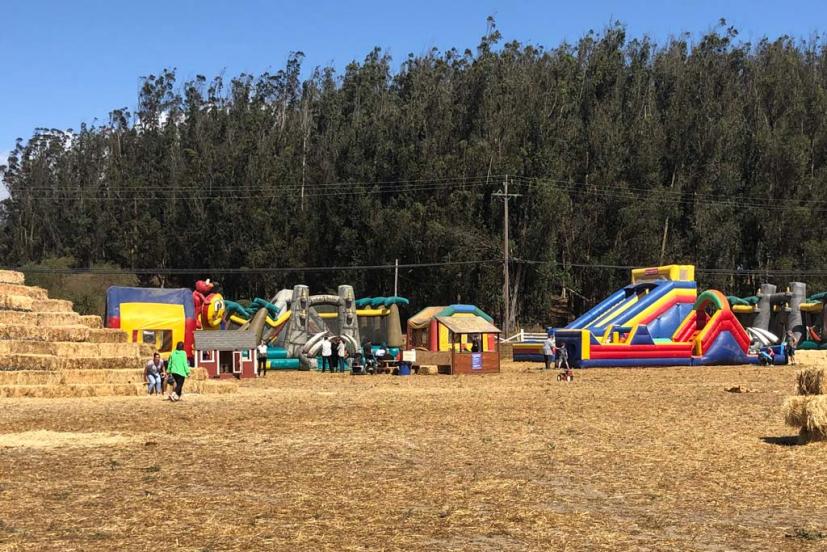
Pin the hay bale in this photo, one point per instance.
(809, 413)
(106, 335)
(92, 320)
(11, 332)
(811, 381)
(16, 302)
(12, 277)
(52, 305)
(428, 370)
(26, 291)
(211, 387)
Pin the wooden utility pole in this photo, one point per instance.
(506, 257)
(396, 277)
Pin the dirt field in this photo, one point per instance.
(654, 459)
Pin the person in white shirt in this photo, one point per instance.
(261, 353)
(327, 353)
(549, 348)
(342, 354)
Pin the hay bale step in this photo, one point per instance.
(73, 349)
(16, 302)
(10, 361)
(66, 377)
(12, 277)
(85, 377)
(42, 319)
(52, 305)
(92, 320)
(106, 335)
(210, 387)
(811, 381)
(809, 414)
(26, 291)
(39, 333)
(109, 389)
(72, 390)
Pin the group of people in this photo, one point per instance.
(159, 375)
(552, 354)
(335, 355)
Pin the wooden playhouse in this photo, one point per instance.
(226, 353)
(458, 339)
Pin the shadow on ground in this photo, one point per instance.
(786, 441)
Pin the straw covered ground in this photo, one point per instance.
(652, 459)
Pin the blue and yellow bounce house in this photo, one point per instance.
(155, 316)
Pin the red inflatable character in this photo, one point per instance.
(203, 288)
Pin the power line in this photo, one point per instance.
(667, 195)
(713, 271)
(242, 270)
(277, 193)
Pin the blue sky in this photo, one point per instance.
(67, 62)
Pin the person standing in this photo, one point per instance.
(341, 352)
(261, 354)
(154, 375)
(327, 352)
(563, 357)
(549, 347)
(179, 368)
(789, 347)
(334, 355)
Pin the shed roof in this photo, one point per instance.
(467, 325)
(224, 340)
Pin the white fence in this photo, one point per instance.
(523, 336)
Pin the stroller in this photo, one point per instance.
(362, 366)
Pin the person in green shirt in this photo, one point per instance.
(179, 368)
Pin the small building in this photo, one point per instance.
(459, 359)
(425, 333)
(226, 353)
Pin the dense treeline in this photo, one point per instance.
(625, 152)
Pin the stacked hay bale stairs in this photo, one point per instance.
(48, 350)
(808, 410)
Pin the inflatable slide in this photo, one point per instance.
(657, 320)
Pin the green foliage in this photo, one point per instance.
(86, 291)
(624, 152)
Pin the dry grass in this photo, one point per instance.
(811, 381)
(43, 439)
(621, 459)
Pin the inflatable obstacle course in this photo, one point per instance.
(657, 320)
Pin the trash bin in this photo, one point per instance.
(404, 369)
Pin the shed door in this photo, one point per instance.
(237, 362)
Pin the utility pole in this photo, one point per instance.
(506, 257)
(396, 277)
